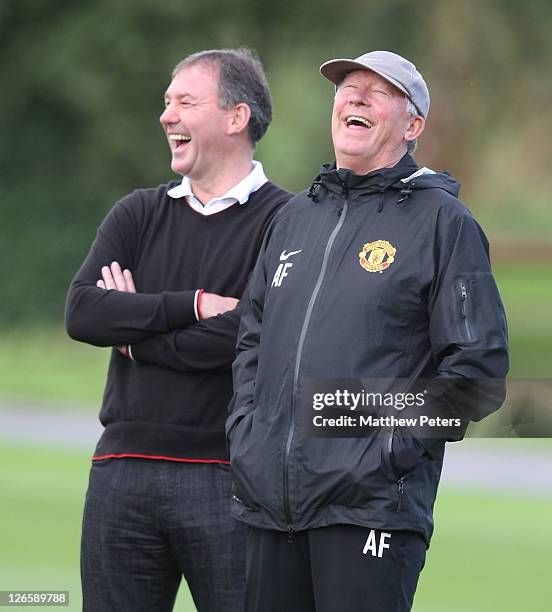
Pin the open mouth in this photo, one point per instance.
(355, 121)
(179, 140)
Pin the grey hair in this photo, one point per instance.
(241, 79)
(413, 112)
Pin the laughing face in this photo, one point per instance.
(195, 126)
(370, 125)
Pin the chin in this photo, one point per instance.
(356, 149)
(179, 168)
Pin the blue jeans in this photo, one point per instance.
(146, 523)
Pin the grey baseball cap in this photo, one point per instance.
(392, 67)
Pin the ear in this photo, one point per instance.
(239, 118)
(415, 127)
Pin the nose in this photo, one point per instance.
(169, 115)
(357, 99)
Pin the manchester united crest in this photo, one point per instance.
(377, 256)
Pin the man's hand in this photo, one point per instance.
(115, 278)
(212, 304)
(120, 280)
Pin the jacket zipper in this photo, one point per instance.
(389, 441)
(463, 310)
(400, 481)
(302, 337)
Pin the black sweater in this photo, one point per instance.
(171, 401)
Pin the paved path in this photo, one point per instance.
(508, 466)
(43, 425)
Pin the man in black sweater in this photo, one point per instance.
(161, 284)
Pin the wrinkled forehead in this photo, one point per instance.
(207, 67)
(199, 78)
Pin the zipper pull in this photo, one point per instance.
(400, 484)
(344, 187)
(291, 534)
(464, 294)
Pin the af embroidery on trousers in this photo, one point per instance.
(373, 547)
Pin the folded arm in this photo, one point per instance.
(207, 345)
(109, 317)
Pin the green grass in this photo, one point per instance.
(490, 553)
(45, 365)
(527, 294)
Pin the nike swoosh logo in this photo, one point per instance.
(285, 255)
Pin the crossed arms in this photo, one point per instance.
(104, 307)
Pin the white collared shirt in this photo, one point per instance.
(238, 193)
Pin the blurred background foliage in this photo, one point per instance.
(82, 85)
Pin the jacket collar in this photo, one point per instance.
(345, 181)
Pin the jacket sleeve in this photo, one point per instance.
(204, 346)
(244, 368)
(467, 327)
(109, 317)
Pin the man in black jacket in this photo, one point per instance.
(160, 284)
(377, 276)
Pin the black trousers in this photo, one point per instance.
(148, 523)
(340, 568)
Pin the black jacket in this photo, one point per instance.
(420, 302)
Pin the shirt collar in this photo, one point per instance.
(239, 192)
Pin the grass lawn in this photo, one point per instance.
(527, 294)
(46, 365)
(490, 553)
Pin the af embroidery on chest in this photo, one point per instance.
(283, 267)
(377, 256)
